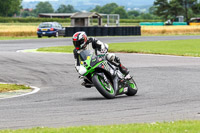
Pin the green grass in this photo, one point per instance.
(177, 47)
(166, 127)
(12, 87)
(62, 49)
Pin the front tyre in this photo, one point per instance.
(106, 89)
(132, 88)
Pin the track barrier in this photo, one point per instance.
(105, 31)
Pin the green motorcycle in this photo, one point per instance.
(106, 77)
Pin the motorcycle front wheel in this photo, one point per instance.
(106, 89)
(132, 88)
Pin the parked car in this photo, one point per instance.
(50, 29)
(194, 21)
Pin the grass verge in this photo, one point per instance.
(12, 87)
(16, 38)
(177, 47)
(62, 49)
(166, 127)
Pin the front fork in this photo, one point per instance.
(120, 83)
(115, 84)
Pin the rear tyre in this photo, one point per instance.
(56, 35)
(106, 89)
(39, 36)
(132, 88)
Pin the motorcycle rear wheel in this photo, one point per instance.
(106, 89)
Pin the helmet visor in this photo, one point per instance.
(78, 43)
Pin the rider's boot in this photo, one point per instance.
(123, 69)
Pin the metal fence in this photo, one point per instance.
(104, 31)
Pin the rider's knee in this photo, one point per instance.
(110, 57)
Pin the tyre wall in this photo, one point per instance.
(104, 31)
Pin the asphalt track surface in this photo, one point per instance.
(169, 87)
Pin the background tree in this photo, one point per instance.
(170, 9)
(162, 8)
(96, 9)
(113, 8)
(133, 14)
(196, 8)
(176, 9)
(108, 8)
(152, 10)
(121, 11)
(43, 7)
(25, 14)
(10, 7)
(188, 5)
(146, 16)
(65, 9)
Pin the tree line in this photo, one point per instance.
(10, 7)
(111, 8)
(169, 9)
(46, 7)
(161, 9)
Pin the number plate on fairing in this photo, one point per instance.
(125, 89)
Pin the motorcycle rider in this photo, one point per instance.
(82, 42)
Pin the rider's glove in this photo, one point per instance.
(104, 47)
(104, 50)
(91, 39)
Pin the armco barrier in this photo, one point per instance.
(179, 23)
(104, 31)
(152, 24)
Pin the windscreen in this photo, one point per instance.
(45, 25)
(84, 54)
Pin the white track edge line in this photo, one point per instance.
(35, 90)
(24, 51)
